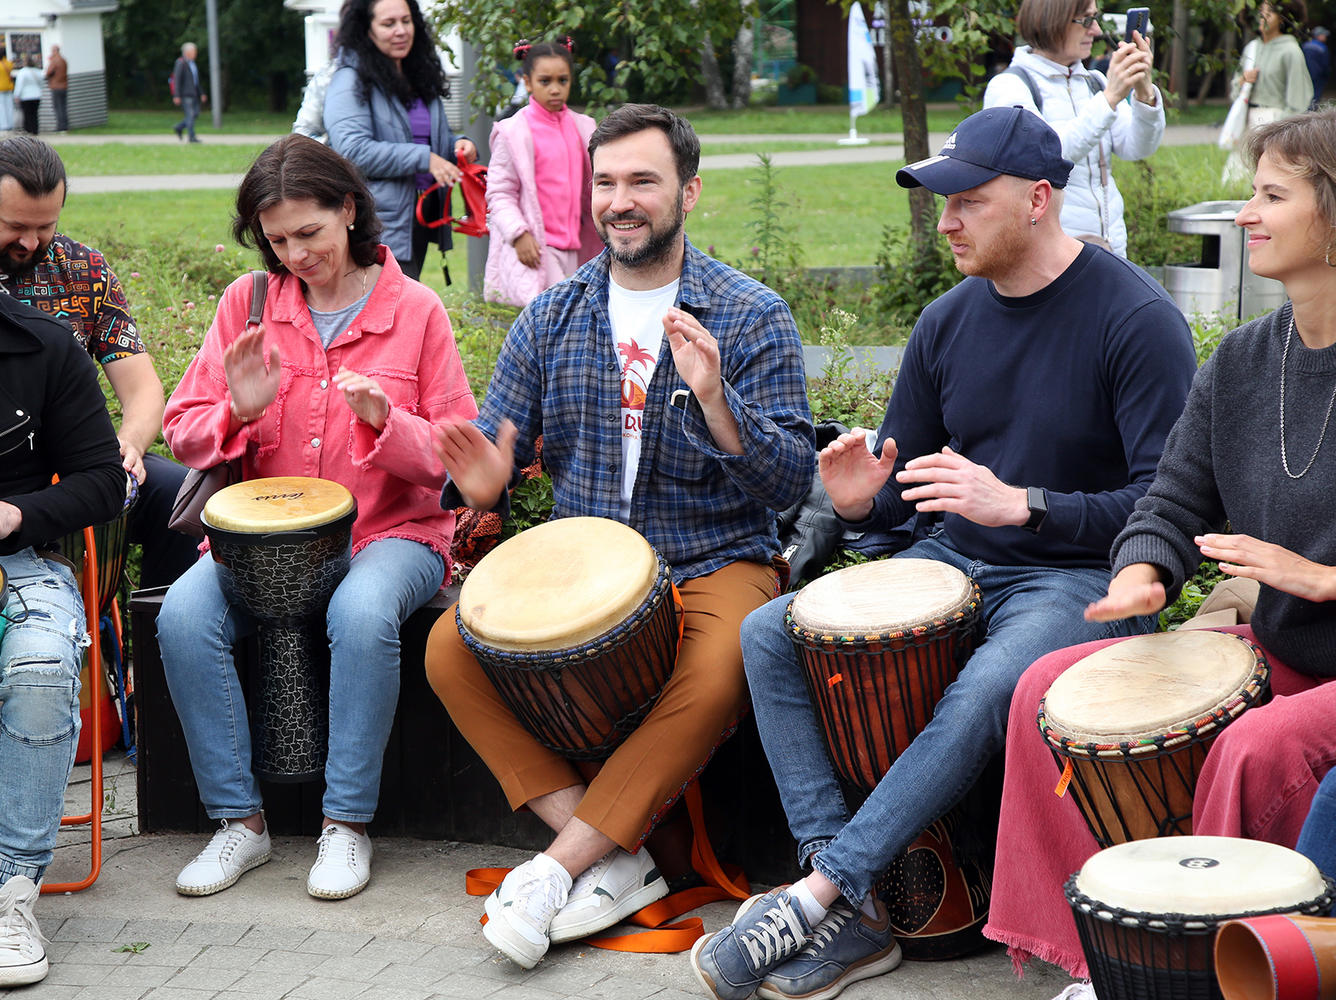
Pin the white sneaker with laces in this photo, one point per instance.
(606, 893)
(521, 909)
(343, 866)
(22, 957)
(233, 851)
(1078, 991)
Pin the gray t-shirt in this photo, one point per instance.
(330, 324)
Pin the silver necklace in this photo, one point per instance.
(1284, 458)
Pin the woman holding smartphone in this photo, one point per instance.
(1097, 117)
(1244, 480)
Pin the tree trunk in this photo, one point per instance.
(714, 83)
(914, 112)
(744, 47)
(1178, 78)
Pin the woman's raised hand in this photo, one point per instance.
(252, 375)
(364, 397)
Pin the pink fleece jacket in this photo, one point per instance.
(401, 339)
(512, 209)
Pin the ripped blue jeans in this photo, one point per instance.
(40, 657)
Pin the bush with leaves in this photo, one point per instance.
(908, 282)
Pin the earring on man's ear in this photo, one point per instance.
(350, 227)
(1034, 221)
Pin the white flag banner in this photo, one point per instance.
(864, 90)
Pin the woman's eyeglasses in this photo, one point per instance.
(1088, 20)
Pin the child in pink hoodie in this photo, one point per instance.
(538, 184)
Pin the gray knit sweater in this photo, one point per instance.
(1222, 464)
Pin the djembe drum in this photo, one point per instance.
(575, 624)
(879, 643)
(1147, 911)
(1130, 726)
(282, 546)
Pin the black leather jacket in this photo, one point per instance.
(53, 419)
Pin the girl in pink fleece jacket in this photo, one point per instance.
(538, 184)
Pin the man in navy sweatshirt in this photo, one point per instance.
(1029, 414)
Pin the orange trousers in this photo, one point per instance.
(644, 776)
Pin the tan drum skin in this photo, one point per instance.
(558, 585)
(277, 503)
(884, 596)
(1136, 699)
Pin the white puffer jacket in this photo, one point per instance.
(1091, 133)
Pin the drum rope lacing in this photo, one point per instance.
(1184, 923)
(962, 620)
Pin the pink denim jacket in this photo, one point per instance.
(401, 339)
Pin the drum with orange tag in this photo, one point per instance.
(1130, 726)
(879, 643)
(575, 624)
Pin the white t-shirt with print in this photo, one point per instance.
(637, 334)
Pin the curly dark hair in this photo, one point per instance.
(422, 75)
(301, 169)
(530, 54)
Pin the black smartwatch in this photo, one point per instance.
(1037, 501)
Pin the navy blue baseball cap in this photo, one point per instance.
(987, 144)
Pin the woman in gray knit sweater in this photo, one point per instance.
(1247, 479)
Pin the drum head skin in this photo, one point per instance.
(1148, 685)
(558, 585)
(1200, 876)
(889, 595)
(279, 503)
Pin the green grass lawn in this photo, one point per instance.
(116, 158)
(234, 122)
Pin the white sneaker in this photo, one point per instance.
(233, 851)
(343, 866)
(22, 957)
(606, 893)
(521, 909)
(1078, 991)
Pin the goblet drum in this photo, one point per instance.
(283, 545)
(1131, 724)
(576, 625)
(1148, 911)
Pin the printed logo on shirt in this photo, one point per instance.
(637, 368)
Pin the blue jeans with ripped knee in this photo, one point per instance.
(40, 656)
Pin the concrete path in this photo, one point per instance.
(885, 147)
(411, 935)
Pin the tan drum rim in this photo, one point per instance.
(332, 514)
(1186, 923)
(957, 621)
(1168, 741)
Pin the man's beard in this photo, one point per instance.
(13, 269)
(655, 248)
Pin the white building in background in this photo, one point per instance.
(322, 24)
(33, 26)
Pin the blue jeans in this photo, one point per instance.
(190, 111)
(1027, 610)
(40, 659)
(389, 580)
(1317, 840)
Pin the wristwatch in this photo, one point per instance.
(1037, 501)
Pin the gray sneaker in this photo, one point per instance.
(767, 932)
(847, 946)
(22, 957)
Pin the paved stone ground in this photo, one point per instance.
(411, 935)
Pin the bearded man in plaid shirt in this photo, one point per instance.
(670, 394)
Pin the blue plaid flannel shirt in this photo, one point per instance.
(702, 508)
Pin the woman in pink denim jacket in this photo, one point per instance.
(538, 184)
(342, 380)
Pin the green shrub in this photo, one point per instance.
(908, 280)
(852, 393)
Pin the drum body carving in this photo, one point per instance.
(879, 643)
(575, 624)
(1147, 911)
(283, 545)
(1134, 722)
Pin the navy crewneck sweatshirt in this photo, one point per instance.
(1073, 389)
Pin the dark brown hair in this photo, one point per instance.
(298, 168)
(34, 164)
(422, 75)
(632, 118)
(1044, 23)
(530, 54)
(1293, 15)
